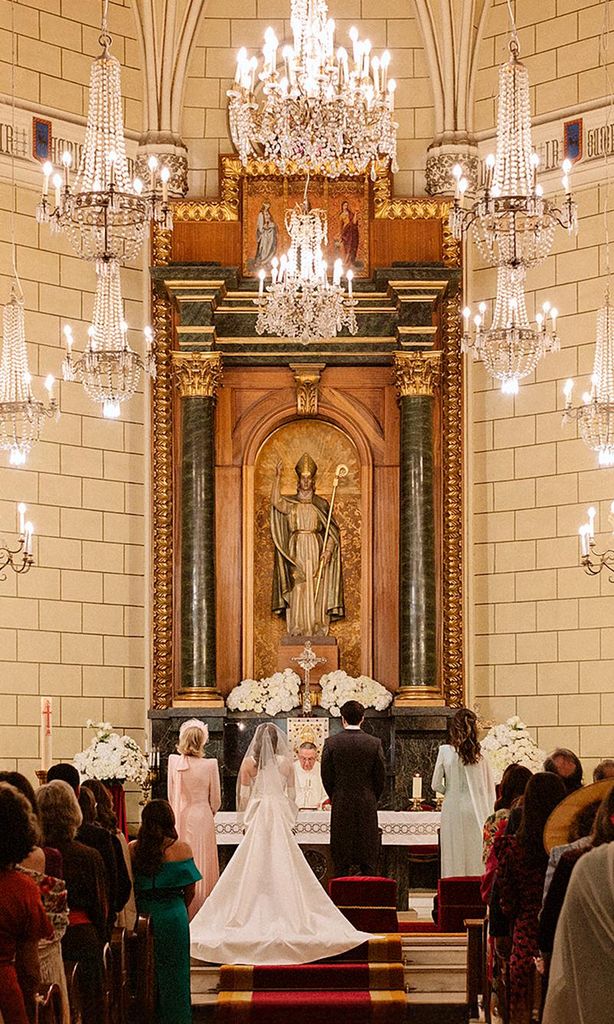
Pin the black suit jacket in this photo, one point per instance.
(354, 774)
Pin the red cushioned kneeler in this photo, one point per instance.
(369, 903)
(457, 900)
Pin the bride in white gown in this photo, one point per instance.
(268, 907)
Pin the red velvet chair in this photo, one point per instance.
(458, 899)
(369, 903)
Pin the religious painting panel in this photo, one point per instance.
(328, 447)
(266, 200)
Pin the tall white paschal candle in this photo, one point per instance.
(416, 787)
(46, 736)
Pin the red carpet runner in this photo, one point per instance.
(363, 986)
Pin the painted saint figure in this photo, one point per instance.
(266, 237)
(298, 528)
(349, 234)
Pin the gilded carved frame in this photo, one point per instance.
(386, 206)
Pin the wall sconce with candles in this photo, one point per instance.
(592, 560)
(20, 559)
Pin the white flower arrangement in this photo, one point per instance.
(112, 757)
(511, 743)
(337, 687)
(279, 692)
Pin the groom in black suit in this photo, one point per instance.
(353, 773)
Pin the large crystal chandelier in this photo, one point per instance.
(22, 416)
(596, 414)
(109, 369)
(511, 347)
(511, 220)
(104, 213)
(301, 302)
(320, 109)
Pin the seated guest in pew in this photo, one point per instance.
(84, 873)
(165, 878)
(567, 766)
(23, 922)
(582, 970)
(602, 832)
(107, 818)
(604, 770)
(44, 867)
(90, 834)
(520, 884)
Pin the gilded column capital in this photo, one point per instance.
(417, 373)
(307, 380)
(197, 373)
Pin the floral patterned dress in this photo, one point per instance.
(520, 878)
(54, 899)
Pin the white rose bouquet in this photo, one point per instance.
(279, 692)
(337, 687)
(511, 743)
(112, 757)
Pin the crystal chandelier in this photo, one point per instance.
(109, 369)
(21, 414)
(301, 302)
(320, 110)
(512, 222)
(104, 213)
(593, 561)
(596, 414)
(511, 347)
(9, 556)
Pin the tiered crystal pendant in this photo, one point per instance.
(596, 414)
(511, 347)
(301, 302)
(318, 109)
(104, 213)
(109, 369)
(22, 416)
(512, 222)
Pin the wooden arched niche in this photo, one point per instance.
(257, 421)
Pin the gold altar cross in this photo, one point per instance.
(307, 660)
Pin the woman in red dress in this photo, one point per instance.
(23, 922)
(520, 879)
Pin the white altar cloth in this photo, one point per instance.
(399, 828)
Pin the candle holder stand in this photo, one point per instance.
(147, 786)
(438, 803)
(416, 803)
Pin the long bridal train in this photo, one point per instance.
(268, 907)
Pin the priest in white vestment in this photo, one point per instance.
(310, 793)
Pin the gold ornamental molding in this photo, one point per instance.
(307, 380)
(389, 207)
(452, 458)
(197, 373)
(417, 373)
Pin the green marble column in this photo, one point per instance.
(198, 376)
(417, 380)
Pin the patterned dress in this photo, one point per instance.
(520, 879)
(55, 901)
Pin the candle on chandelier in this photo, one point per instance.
(57, 185)
(416, 786)
(152, 163)
(466, 316)
(21, 510)
(49, 382)
(592, 512)
(261, 283)
(566, 168)
(567, 391)
(337, 268)
(584, 540)
(385, 63)
(66, 161)
(28, 532)
(46, 734)
(47, 172)
(241, 58)
(353, 34)
(392, 85)
(375, 66)
(165, 175)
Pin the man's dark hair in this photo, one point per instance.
(573, 780)
(352, 712)
(65, 773)
(604, 770)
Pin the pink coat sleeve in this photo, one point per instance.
(215, 794)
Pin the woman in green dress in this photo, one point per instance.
(165, 878)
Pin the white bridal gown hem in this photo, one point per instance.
(268, 907)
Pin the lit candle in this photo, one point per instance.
(385, 62)
(416, 786)
(164, 178)
(49, 382)
(47, 172)
(22, 509)
(67, 161)
(241, 58)
(350, 277)
(29, 530)
(261, 283)
(46, 736)
(353, 33)
(592, 512)
(567, 391)
(57, 184)
(584, 540)
(466, 316)
(391, 91)
(152, 163)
